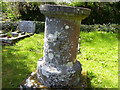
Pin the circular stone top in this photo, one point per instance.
(64, 10)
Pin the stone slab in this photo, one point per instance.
(12, 40)
(27, 26)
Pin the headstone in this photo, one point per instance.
(27, 26)
(59, 67)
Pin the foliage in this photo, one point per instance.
(101, 12)
(98, 56)
(13, 11)
(114, 28)
(9, 34)
(30, 11)
(39, 27)
(9, 26)
(10, 11)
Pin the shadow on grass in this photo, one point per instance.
(14, 67)
(98, 50)
(84, 80)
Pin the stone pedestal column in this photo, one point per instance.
(59, 67)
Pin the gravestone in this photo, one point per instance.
(24, 26)
(27, 26)
(59, 67)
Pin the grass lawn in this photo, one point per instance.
(99, 57)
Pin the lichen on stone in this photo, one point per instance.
(57, 56)
(50, 19)
(67, 27)
(50, 55)
(69, 64)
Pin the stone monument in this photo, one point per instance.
(27, 26)
(59, 67)
(24, 26)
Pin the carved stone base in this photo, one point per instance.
(32, 82)
(58, 75)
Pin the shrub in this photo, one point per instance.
(101, 12)
(9, 26)
(39, 27)
(97, 27)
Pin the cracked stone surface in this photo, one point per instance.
(59, 67)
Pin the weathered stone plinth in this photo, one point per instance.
(59, 67)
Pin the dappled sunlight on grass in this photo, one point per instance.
(99, 56)
(21, 59)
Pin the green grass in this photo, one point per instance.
(21, 59)
(99, 57)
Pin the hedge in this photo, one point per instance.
(98, 27)
(13, 26)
